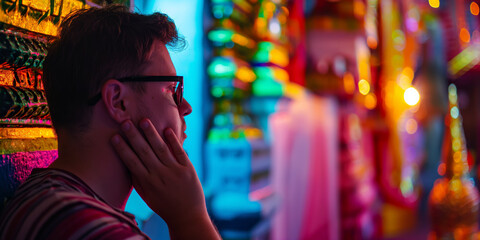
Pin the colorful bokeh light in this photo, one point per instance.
(363, 87)
(434, 3)
(411, 96)
(474, 9)
(464, 35)
(411, 126)
(370, 101)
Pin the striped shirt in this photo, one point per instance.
(55, 204)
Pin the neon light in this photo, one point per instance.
(464, 61)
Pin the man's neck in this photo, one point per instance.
(93, 160)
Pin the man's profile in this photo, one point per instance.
(117, 107)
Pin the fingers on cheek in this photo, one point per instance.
(148, 128)
(176, 147)
(170, 136)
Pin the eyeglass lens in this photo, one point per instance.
(179, 93)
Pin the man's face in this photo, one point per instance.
(157, 103)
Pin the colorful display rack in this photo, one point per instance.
(246, 72)
(27, 140)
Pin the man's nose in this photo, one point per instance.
(185, 108)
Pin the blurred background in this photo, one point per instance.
(312, 119)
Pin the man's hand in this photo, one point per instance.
(166, 180)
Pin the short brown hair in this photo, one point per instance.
(92, 46)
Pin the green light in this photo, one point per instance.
(217, 92)
(261, 56)
(221, 67)
(268, 46)
(464, 61)
(216, 134)
(266, 87)
(220, 35)
(263, 53)
(263, 73)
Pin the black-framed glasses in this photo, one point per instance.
(177, 95)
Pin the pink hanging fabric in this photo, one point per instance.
(305, 172)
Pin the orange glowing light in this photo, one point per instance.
(287, 12)
(464, 35)
(408, 71)
(474, 9)
(457, 156)
(349, 83)
(281, 75)
(358, 8)
(279, 57)
(370, 101)
(372, 42)
(242, 40)
(246, 74)
(270, 7)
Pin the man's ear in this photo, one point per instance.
(117, 98)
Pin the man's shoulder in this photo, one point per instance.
(48, 189)
(49, 203)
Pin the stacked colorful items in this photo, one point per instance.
(26, 137)
(454, 199)
(346, 74)
(230, 74)
(270, 61)
(246, 67)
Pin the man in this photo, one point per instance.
(108, 72)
